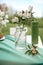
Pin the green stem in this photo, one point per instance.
(19, 35)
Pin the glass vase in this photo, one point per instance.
(20, 42)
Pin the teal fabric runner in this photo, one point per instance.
(10, 56)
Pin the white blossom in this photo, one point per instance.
(6, 16)
(15, 19)
(3, 18)
(3, 23)
(23, 16)
(28, 15)
(7, 21)
(30, 8)
(2, 13)
(19, 13)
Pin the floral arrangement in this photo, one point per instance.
(32, 50)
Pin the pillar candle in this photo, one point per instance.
(34, 30)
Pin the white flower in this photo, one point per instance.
(15, 19)
(3, 23)
(30, 8)
(6, 16)
(19, 13)
(1, 13)
(7, 21)
(28, 15)
(23, 16)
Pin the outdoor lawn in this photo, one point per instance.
(6, 30)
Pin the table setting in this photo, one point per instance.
(18, 52)
(8, 50)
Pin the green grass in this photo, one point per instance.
(40, 22)
(41, 33)
(6, 30)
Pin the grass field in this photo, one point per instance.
(6, 30)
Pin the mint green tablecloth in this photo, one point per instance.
(10, 56)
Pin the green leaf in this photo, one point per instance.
(28, 46)
(27, 51)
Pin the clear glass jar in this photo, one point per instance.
(20, 42)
